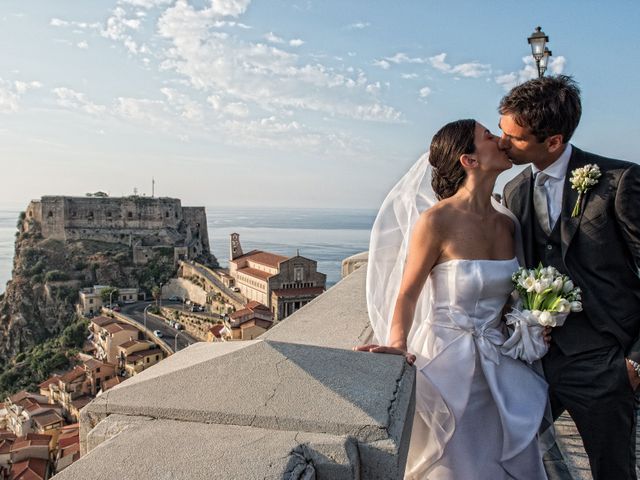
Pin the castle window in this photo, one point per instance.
(108, 214)
(166, 214)
(73, 214)
(129, 214)
(90, 216)
(50, 214)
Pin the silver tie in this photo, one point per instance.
(540, 203)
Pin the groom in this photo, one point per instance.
(591, 365)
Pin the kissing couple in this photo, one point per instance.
(442, 259)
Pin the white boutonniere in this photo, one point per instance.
(582, 179)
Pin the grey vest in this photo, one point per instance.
(548, 251)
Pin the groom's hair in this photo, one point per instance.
(546, 106)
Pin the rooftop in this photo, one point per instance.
(265, 258)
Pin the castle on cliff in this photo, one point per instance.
(143, 223)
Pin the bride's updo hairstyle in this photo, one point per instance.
(451, 141)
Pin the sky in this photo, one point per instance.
(302, 103)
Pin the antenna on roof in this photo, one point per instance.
(297, 252)
(153, 187)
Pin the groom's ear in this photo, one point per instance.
(554, 143)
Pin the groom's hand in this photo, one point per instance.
(546, 335)
(634, 380)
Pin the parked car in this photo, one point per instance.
(175, 298)
(235, 289)
(158, 333)
(116, 308)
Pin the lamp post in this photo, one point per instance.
(111, 299)
(175, 342)
(145, 319)
(538, 41)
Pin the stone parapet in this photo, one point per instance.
(297, 403)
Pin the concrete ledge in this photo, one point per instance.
(296, 403)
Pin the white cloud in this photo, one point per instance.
(228, 8)
(145, 3)
(262, 76)
(529, 71)
(424, 92)
(383, 64)
(471, 69)
(144, 111)
(57, 22)
(82, 45)
(401, 57)
(409, 76)
(273, 38)
(296, 42)
(74, 100)
(11, 94)
(373, 88)
(358, 25)
(237, 109)
(118, 27)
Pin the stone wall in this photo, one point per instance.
(183, 288)
(297, 403)
(142, 221)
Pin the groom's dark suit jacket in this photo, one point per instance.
(600, 250)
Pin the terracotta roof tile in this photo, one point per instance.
(216, 329)
(30, 440)
(49, 381)
(254, 272)
(73, 374)
(47, 418)
(143, 353)
(30, 469)
(102, 321)
(112, 382)
(119, 327)
(80, 402)
(65, 442)
(265, 258)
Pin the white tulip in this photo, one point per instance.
(546, 319)
(541, 285)
(564, 306)
(568, 286)
(529, 284)
(576, 306)
(557, 284)
(536, 314)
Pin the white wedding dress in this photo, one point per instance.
(477, 411)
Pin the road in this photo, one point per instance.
(135, 311)
(214, 281)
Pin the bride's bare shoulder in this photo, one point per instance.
(437, 217)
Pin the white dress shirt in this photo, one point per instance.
(554, 185)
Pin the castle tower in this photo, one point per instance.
(235, 249)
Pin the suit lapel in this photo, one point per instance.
(569, 225)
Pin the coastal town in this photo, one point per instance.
(129, 328)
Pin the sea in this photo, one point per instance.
(325, 235)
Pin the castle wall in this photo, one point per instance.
(123, 213)
(196, 219)
(52, 217)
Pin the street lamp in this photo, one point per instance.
(544, 61)
(538, 40)
(175, 342)
(111, 299)
(145, 319)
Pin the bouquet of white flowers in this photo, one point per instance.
(544, 298)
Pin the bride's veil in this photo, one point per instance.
(390, 236)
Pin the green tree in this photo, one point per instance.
(108, 294)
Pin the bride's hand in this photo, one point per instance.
(546, 335)
(409, 357)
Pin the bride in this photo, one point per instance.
(439, 276)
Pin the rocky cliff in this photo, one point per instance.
(47, 274)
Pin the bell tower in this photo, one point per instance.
(235, 249)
